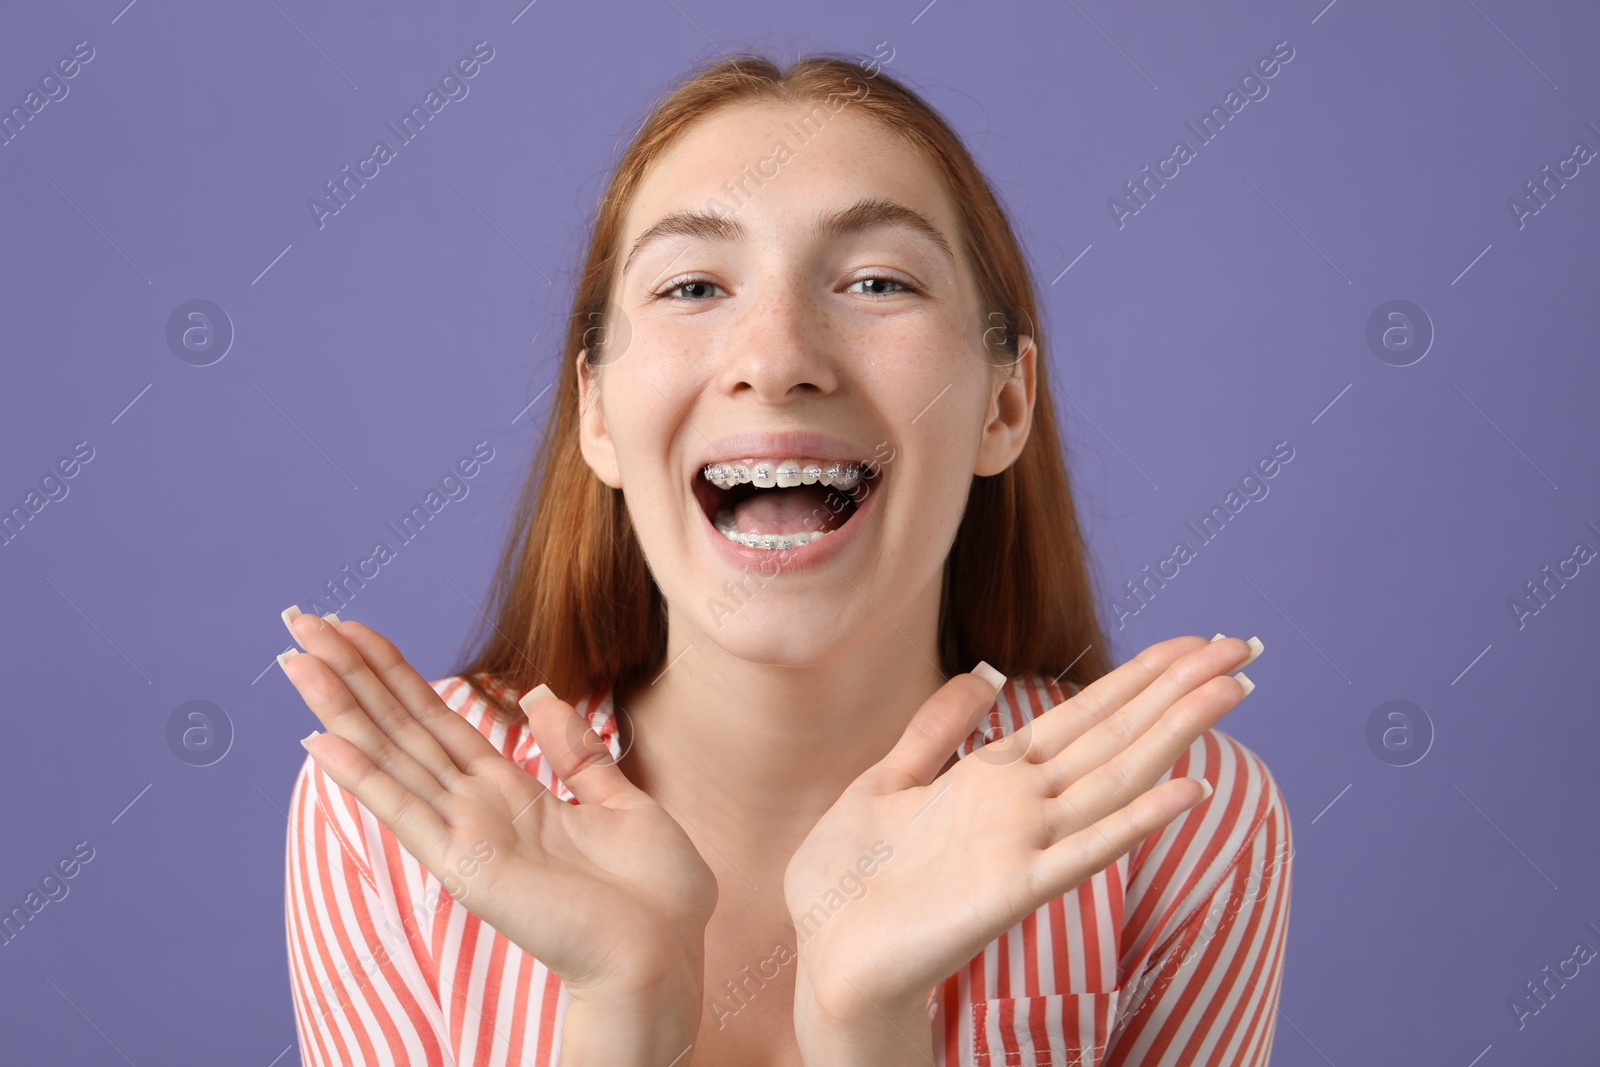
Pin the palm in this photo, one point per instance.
(1002, 831)
(608, 891)
(932, 904)
(605, 877)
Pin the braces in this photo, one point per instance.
(765, 474)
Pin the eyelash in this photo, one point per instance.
(664, 294)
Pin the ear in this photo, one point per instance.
(1010, 412)
(593, 437)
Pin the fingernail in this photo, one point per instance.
(331, 617)
(990, 675)
(1244, 680)
(1256, 648)
(1219, 637)
(536, 694)
(308, 737)
(1206, 785)
(285, 655)
(289, 614)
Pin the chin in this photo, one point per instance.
(767, 630)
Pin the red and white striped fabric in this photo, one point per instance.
(1172, 955)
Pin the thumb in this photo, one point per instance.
(937, 729)
(575, 753)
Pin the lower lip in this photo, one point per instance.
(807, 557)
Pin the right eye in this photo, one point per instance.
(689, 283)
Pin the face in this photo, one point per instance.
(827, 319)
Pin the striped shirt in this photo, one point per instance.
(1172, 955)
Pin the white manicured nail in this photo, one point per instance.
(1256, 648)
(990, 675)
(285, 655)
(331, 617)
(534, 695)
(1204, 784)
(1244, 680)
(308, 737)
(289, 614)
(1219, 637)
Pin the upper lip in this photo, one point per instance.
(787, 445)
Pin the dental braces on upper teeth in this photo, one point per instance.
(765, 474)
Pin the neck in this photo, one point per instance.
(749, 755)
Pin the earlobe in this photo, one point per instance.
(594, 439)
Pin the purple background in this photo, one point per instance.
(1229, 314)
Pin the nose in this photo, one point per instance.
(781, 347)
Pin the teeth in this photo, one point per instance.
(770, 474)
(772, 542)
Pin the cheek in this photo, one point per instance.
(941, 441)
(643, 401)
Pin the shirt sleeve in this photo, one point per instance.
(1206, 922)
(357, 960)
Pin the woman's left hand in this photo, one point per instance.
(959, 857)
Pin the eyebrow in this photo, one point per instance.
(865, 214)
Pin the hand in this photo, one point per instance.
(610, 894)
(974, 850)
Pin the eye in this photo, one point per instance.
(688, 283)
(882, 279)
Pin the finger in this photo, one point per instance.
(332, 703)
(1069, 720)
(1085, 745)
(573, 750)
(1138, 767)
(396, 721)
(412, 820)
(937, 730)
(466, 746)
(1082, 854)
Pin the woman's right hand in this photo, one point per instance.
(610, 894)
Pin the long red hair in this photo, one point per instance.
(572, 601)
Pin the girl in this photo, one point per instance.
(800, 488)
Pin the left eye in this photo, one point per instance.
(882, 281)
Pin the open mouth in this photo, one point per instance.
(782, 504)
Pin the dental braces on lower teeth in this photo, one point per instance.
(771, 542)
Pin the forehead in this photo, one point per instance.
(777, 166)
